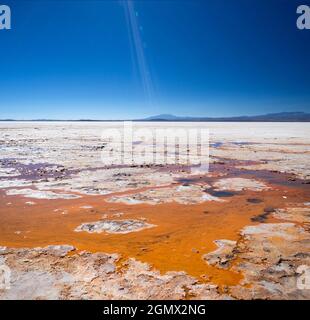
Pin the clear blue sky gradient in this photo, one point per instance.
(76, 59)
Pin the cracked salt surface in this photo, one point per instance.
(239, 184)
(114, 226)
(278, 230)
(191, 194)
(106, 181)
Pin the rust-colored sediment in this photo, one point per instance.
(183, 233)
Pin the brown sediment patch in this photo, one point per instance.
(184, 233)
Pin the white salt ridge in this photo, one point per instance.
(128, 200)
(30, 203)
(14, 183)
(37, 194)
(209, 197)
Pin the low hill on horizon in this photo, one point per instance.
(271, 117)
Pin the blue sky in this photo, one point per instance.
(83, 59)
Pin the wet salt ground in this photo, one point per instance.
(169, 246)
(45, 171)
(229, 168)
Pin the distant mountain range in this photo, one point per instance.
(271, 117)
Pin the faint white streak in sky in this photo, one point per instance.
(137, 49)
